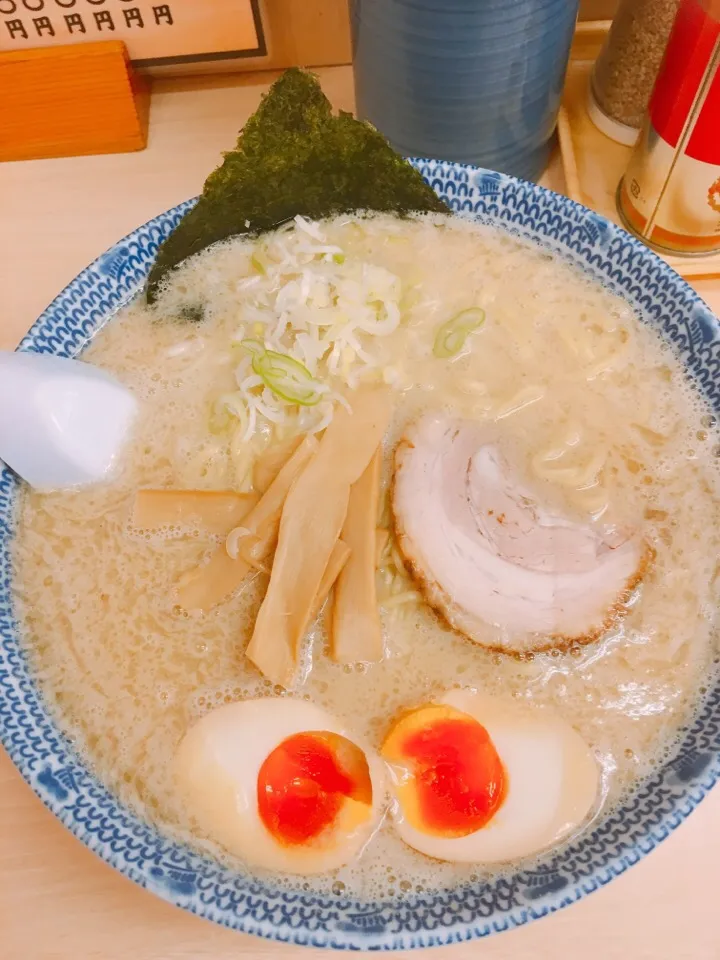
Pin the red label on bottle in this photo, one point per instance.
(693, 40)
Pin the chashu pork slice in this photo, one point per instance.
(500, 567)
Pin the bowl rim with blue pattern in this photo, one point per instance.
(46, 759)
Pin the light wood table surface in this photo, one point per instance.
(57, 900)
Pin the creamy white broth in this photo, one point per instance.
(572, 379)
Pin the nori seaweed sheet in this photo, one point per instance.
(293, 156)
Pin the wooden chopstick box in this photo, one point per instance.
(71, 100)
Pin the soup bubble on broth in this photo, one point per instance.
(594, 413)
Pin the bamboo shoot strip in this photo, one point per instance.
(311, 522)
(216, 511)
(269, 463)
(212, 582)
(356, 631)
(338, 559)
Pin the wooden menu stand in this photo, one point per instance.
(71, 100)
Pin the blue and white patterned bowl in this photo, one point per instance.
(47, 761)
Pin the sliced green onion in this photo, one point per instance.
(286, 377)
(451, 336)
(339, 257)
(256, 348)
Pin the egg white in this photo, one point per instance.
(552, 782)
(217, 766)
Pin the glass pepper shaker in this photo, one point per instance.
(625, 71)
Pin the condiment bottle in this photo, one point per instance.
(625, 71)
(670, 194)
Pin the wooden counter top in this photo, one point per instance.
(57, 900)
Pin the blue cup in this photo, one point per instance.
(475, 81)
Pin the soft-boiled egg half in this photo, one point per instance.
(281, 784)
(480, 779)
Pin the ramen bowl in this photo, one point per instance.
(198, 883)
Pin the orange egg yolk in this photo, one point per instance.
(306, 781)
(451, 780)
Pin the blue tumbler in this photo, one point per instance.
(475, 81)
